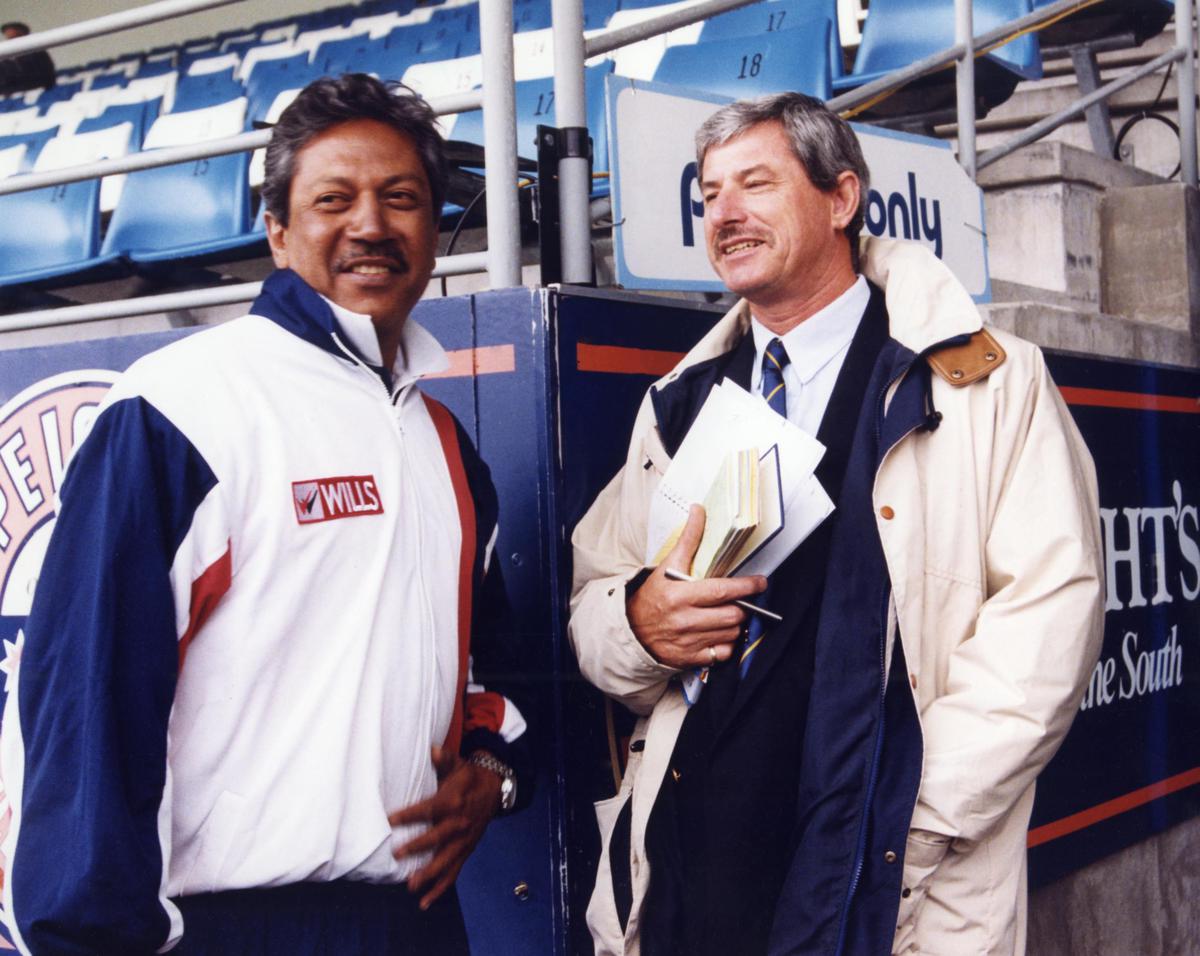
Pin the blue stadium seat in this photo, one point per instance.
(596, 13)
(900, 32)
(194, 211)
(197, 210)
(46, 234)
(640, 4)
(796, 59)
(58, 93)
(54, 233)
(775, 16)
(339, 16)
(140, 115)
(269, 78)
(155, 65)
(239, 46)
(535, 105)
(357, 54)
(458, 24)
(107, 80)
(531, 15)
(372, 7)
(207, 89)
(33, 144)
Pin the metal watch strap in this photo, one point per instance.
(508, 782)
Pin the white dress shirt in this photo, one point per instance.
(816, 349)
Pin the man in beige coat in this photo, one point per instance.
(859, 778)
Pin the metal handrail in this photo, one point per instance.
(108, 23)
(1051, 123)
(983, 42)
(605, 41)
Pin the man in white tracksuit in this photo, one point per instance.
(256, 710)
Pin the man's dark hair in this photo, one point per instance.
(331, 101)
(21, 28)
(821, 140)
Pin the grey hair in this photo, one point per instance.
(821, 140)
(330, 101)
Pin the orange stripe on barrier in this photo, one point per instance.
(1142, 401)
(625, 360)
(1111, 808)
(485, 360)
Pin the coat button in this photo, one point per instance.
(887, 513)
(889, 857)
(675, 775)
(905, 893)
(912, 679)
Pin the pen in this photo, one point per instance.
(673, 575)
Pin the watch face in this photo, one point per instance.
(508, 793)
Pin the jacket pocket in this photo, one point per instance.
(923, 853)
(603, 912)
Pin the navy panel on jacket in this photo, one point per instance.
(97, 681)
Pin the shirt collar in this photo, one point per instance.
(419, 353)
(813, 343)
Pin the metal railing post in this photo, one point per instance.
(1185, 37)
(500, 144)
(964, 72)
(570, 116)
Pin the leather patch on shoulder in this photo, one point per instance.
(964, 364)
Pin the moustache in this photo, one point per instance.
(725, 235)
(372, 250)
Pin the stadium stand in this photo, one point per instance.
(186, 212)
(31, 144)
(534, 105)
(776, 16)
(898, 33)
(743, 66)
(434, 47)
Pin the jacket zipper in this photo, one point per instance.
(873, 779)
(861, 848)
(393, 397)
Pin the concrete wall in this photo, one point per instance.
(41, 15)
(1143, 901)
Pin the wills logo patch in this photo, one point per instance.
(326, 499)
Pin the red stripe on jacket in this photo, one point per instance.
(207, 590)
(448, 434)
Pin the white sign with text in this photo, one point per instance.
(918, 191)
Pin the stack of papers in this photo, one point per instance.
(756, 516)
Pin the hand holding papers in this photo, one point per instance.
(791, 502)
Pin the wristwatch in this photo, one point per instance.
(508, 780)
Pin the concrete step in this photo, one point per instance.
(1149, 144)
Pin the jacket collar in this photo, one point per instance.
(291, 303)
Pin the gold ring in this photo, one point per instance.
(712, 655)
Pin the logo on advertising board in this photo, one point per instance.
(327, 499)
(39, 428)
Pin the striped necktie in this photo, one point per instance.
(775, 392)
